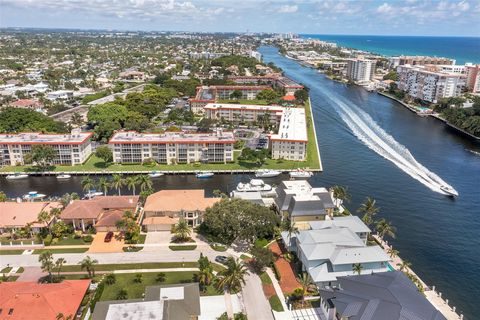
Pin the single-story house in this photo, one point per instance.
(16, 215)
(167, 302)
(32, 300)
(172, 205)
(103, 210)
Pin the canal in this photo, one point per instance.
(376, 148)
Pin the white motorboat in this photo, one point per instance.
(449, 191)
(267, 173)
(17, 176)
(300, 174)
(204, 175)
(92, 194)
(63, 176)
(254, 185)
(155, 174)
(33, 195)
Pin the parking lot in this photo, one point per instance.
(254, 138)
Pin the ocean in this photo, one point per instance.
(462, 49)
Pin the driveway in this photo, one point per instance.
(100, 246)
(213, 306)
(256, 304)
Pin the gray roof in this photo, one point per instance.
(353, 223)
(379, 296)
(305, 206)
(155, 305)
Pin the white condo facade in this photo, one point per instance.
(243, 113)
(430, 83)
(360, 70)
(290, 143)
(70, 149)
(172, 147)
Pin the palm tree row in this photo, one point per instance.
(383, 227)
(117, 182)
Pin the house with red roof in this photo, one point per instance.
(41, 301)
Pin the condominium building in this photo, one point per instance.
(422, 60)
(429, 83)
(360, 70)
(275, 80)
(290, 143)
(70, 148)
(243, 113)
(473, 77)
(209, 94)
(172, 147)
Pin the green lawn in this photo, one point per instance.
(20, 270)
(66, 250)
(70, 241)
(275, 303)
(142, 238)
(135, 290)
(265, 278)
(128, 266)
(131, 249)
(219, 247)
(6, 270)
(10, 279)
(183, 248)
(313, 161)
(7, 252)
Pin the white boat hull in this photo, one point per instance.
(17, 177)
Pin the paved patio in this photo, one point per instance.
(288, 281)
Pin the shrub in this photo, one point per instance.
(149, 162)
(161, 277)
(110, 279)
(260, 243)
(87, 238)
(277, 273)
(98, 294)
(54, 241)
(48, 240)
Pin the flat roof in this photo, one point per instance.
(127, 137)
(293, 126)
(252, 107)
(45, 138)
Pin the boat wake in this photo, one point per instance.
(375, 138)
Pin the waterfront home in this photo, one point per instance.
(166, 302)
(377, 296)
(353, 223)
(16, 215)
(165, 208)
(333, 251)
(41, 301)
(298, 201)
(102, 212)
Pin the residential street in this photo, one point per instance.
(254, 300)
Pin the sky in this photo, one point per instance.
(370, 17)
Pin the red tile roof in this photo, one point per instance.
(91, 209)
(31, 300)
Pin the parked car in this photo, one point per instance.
(108, 236)
(221, 259)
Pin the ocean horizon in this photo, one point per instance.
(462, 49)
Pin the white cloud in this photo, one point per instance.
(288, 9)
(385, 8)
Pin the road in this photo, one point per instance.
(256, 304)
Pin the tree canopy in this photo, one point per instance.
(14, 120)
(231, 219)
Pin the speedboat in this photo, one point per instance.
(33, 195)
(155, 174)
(17, 176)
(92, 194)
(267, 173)
(254, 185)
(449, 191)
(300, 174)
(63, 176)
(204, 175)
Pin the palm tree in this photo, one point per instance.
(232, 278)
(122, 294)
(59, 264)
(46, 259)
(138, 278)
(88, 264)
(87, 184)
(145, 182)
(205, 276)
(118, 182)
(182, 230)
(392, 253)
(104, 185)
(291, 229)
(369, 210)
(357, 268)
(305, 282)
(44, 217)
(405, 265)
(161, 277)
(110, 279)
(385, 228)
(340, 193)
(131, 183)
